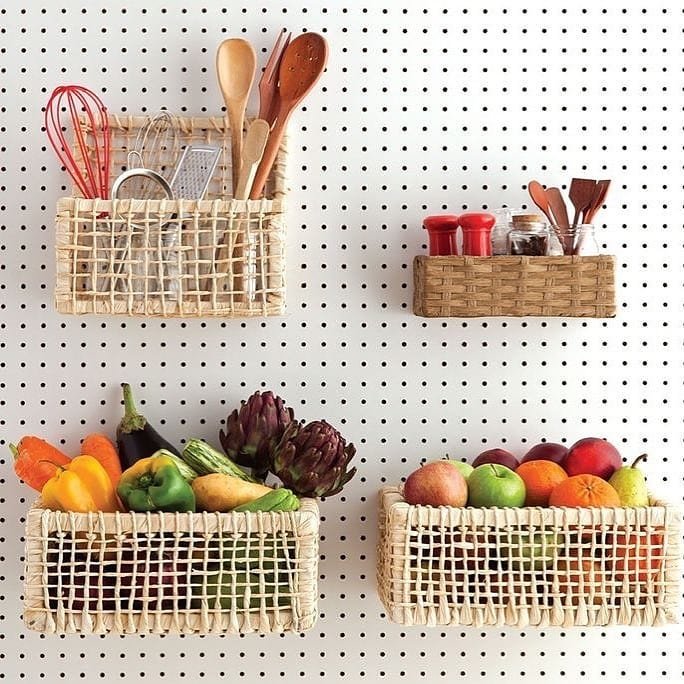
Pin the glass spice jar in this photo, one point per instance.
(500, 231)
(585, 243)
(529, 236)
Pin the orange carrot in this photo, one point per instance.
(36, 461)
(100, 447)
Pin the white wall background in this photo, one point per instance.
(424, 107)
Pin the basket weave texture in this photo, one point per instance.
(177, 573)
(514, 286)
(527, 566)
(185, 258)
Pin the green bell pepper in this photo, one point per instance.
(155, 484)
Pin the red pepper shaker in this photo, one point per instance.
(477, 228)
(441, 230)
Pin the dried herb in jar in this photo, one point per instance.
(529, 236)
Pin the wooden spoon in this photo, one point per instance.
(560, 215)
(301, 66)
(538, 195)
(235, 67)
(581, 194)
(597, 202)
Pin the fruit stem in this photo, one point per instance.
(643, 457)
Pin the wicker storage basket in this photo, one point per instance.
(214, 257)
(179, 573)
(527, 566)
(514, 286)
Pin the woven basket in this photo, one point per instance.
(178, 573)
(214, 257)
(514, 286)
(527, 566)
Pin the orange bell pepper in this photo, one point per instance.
(82, 485)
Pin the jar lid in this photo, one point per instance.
(528, 218)
(441, 222)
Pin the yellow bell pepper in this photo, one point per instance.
(82, 485)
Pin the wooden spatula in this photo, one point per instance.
(581, 194)
(597, 201)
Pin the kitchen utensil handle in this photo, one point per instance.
(270, 153)
(236, 117)
(245, 180)
(247, 172)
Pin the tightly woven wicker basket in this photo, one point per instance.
(514, 286)
(527, 566)
(214, 257)
(177, 573)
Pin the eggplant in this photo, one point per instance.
(135, 437)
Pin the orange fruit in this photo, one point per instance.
(540, 478)
(639, 557)
(584, 491)
(582, 577)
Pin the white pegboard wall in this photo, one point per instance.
(423, 108)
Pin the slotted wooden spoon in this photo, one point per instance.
(301, 66)
(235, 68)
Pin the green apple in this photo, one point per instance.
(495, 485)
(465, 468)
(530, 550)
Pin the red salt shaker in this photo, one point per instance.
(477, 228)
(441, 230)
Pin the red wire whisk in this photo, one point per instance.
(88, 164)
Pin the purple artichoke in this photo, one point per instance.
(312, 459)
(253, 431)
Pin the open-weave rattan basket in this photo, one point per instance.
(514, 286)
(178, 573)
(154, 257)
(527, 566)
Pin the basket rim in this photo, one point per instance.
(392, 499)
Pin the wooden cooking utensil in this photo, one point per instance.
(558, 208)
(538, 195)
(560, 215)
(235, 67)
(301, 66)
(252, 151)
(581, 194)
(597, 201)
(268, 83)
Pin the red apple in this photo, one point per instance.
(592, 456)
(546, 451)
(436, 484)
(498, 457)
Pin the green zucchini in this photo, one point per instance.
(203, 458)
(188, 473)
